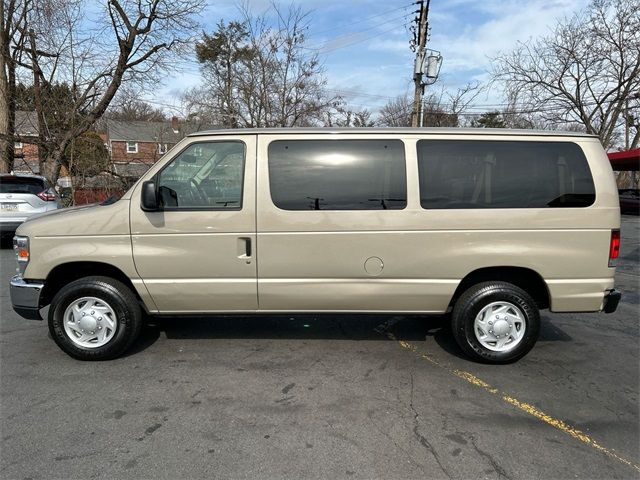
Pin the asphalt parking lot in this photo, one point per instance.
(326, 397)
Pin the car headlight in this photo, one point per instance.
(21, 249)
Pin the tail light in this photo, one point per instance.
(47, 195)
(614, 247)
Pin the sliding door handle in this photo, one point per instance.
(244, 248)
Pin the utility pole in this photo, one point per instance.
(423, 26)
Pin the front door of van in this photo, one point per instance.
(197, 254)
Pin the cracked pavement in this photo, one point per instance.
(332, 396)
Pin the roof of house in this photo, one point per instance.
(26, 123)
(395, 130)
(132, 169)
(143, 131)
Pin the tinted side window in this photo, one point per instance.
(503, 174)
(204, 176)
(338, 174)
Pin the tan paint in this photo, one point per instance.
(425, 247)
(192, 261)
(97, 233)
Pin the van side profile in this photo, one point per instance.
(489, 226)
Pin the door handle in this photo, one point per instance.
(244, 248)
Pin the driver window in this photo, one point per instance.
(204, 175)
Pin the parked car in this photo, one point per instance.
(21, 197)
(490, 226)
(629, 201)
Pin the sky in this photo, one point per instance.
(364, 44)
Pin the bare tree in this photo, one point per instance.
(342, 116)
(584, 72)
(396, 112)
(127, 106)
(256, 74)
(223, 56)
(442, 108)
(133, 43)
(12, 39)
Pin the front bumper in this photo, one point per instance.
(611, 300)
(25, 297)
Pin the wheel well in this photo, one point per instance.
(68, 272)
(528, 280)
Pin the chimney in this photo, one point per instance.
(174, 125)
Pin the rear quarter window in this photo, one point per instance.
(458, 174)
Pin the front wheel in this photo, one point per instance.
(95, 318)
(496, 322)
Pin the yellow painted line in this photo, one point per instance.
(568, 429)
(525, 407)
(475, 381)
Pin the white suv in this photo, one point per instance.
(22, 196)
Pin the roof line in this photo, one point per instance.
(392, 130)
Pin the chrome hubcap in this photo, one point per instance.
(500, 326)
(90, 322)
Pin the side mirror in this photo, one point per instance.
(149, 198)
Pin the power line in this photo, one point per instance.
(365, 19)
(363, 39)
(323, 46)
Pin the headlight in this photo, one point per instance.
(21, 249)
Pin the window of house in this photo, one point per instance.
(338, 174)
(212, 180)
(457, 174)
(17, 145)
(162, 148)
(132, 147)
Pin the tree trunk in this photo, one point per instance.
(50, 166)
(37, 97)
(6, 145)
(7, 101)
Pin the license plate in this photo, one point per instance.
(9, 207)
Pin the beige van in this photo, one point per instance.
(488, 225)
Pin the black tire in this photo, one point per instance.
(121, 299)
(470, 304)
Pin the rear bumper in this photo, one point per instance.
(25, 297)
(579, 295)
(611, 301)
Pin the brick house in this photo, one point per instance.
(26, 157)
(136, 145)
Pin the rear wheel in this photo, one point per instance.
(496, 322)
(95, 318)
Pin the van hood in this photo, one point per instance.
(84, 220)
(61, 211)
